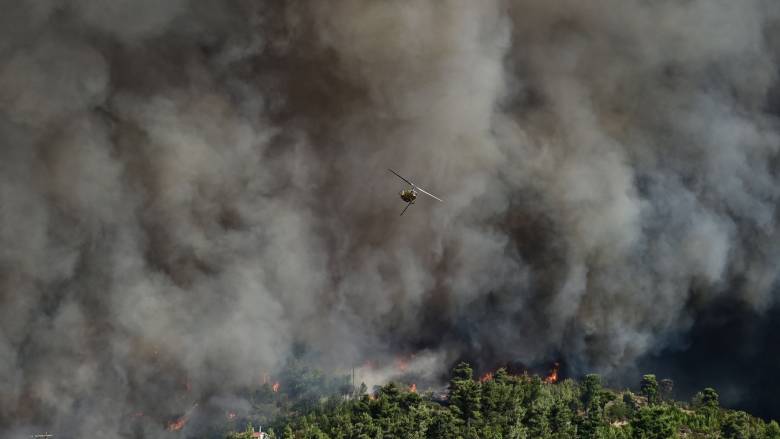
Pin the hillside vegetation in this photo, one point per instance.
(507, 406)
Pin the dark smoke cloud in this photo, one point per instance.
(745, 338)
(189, 189)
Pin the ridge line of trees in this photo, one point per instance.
(519, 407)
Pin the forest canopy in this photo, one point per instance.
(501, 405)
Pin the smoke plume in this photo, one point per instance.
(190, 189)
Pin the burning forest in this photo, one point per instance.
(194, 193)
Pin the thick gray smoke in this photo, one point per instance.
(188, 189)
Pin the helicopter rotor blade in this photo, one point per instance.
(428, 193)
(407, 206)
(399, 176)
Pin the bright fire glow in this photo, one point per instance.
(552, 377)
(486, 377)
(275, 387)
(413, 388)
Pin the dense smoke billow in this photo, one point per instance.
(189, 189)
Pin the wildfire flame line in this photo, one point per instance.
(551, 378)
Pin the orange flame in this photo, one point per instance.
(402, 364)
(552, 377)
(413, 388)
(177, 424)
(486, 377)
(275, 387)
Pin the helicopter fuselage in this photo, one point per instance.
(409, 195)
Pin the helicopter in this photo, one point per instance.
(410, 195)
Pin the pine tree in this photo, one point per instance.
(464, 395)
(653, 422)
(539, 401)
(590, 423)
(710, 397)
(630, 402)
(736, 426)
(537, 423)
(444, 425)
(649, 388)
(772, 430)
(561, 421)
(591, 388)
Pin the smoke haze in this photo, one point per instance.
(190, 189)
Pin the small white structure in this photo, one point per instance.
(259, 434)
(250, 433)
